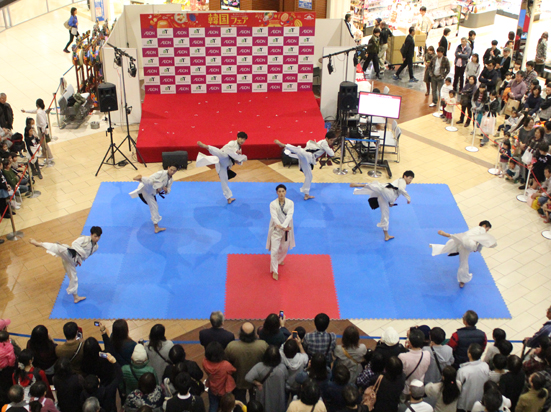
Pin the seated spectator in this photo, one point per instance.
(492, 387)
(72, 348)
(321, 341)
(158, 349)
(498, 335)
(533, 101)
(310, 399)
(12, 178)
(139, 365)
(390, 345)
(461, 340)
(216, 332)
(177, 357)
(535, 361)
(5, 189)
(184, 400)
(351, 353)
(123, 345)
(16, 396)
(38, 395)
(7, 353)
(509, 123)
(391, 386)
(148, 393)
(219, 371)
(511, 383)
(273, 331)
(471, 376)
(43, 349)
(416, 403)
(444, 394)
(269, 377)
(513, 171)
(544, 191)
(543, 160)
(332, 393)
(68, 386)
(26, 374)
(374, 368)
(499, 364)
(440, 355)
(416, 361)
(295, 360)
(534, 399)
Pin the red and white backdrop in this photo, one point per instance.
(227, 52)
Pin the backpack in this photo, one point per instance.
(370, 394)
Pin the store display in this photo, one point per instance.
(199, 5)
(509, 8)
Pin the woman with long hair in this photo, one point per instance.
(541, 53)
(43, 130)
(445, 393)
(466, 100)
(391, 386)
(511, 383)
(68, 386)
(534, 399)
(123, 345)
(43, 349)
(26, 374)
(158, 349)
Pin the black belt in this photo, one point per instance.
(154, 197)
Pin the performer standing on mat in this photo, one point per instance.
(281, 236)
(384, 196)
(463, 244)
(80, 250)
(308, 157)
(158, 183)
(224, 159)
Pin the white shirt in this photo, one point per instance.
(437, 64)
(41, 118)
(425, 23)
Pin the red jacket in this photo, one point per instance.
(219, 379)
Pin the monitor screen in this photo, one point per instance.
(382, 105)
(230, 5)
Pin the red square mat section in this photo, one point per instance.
(304, 289)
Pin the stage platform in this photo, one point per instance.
(177, 122)
(213, 257)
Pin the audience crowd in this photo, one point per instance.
(274, 369)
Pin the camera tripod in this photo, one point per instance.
(112, 148)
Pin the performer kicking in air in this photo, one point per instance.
(308, 157)
(158, 183)
(80, 250)
(384, 196)
(463, 244)
(224, 159)
(281, 236)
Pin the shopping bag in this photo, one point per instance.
(488, 125)
(511, 104)
(527, 157)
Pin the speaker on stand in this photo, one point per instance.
(107, 99)
(347, 103)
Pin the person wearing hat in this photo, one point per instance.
(390, 345)
(416, 403)
(139, 365)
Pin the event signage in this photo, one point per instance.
(227, 52)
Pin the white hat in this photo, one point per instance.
(390, 336)
(417, 388)
(139, 355)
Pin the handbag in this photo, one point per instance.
(488, 124)
(511, 104)
(370, 395)
(527, 157)
(66, 25)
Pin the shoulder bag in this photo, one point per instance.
(370, 394)
(414, 369)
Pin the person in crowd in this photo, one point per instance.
(479, 101)
(491, 389)
(386, 34)
(43, 349)
(444, 394)
(471, 376)
(68, 386)
(416, 402)
(184, 400)
(92, 405)
(96, 361)
(416, 361)
(408, 52)
(534, 399)
(518, 86)
(80, 250)
(440, 355)
(444, 42)
(542, 160)
(39, 400)
(449, 108)
(33, 147)
(310, 398)
(7, 351)
(73, 28)
(427, 59)
(504, 156)
(158, 349)
(6, 113)
(465, 336)
(372, 53)
(43, 130)
(389, 345)
(424, 24)
(177, 358)
(106, 392)
(317, 370)
(159, 183)
(5, 188)
(490, 111)
(273, 331)
(541, 53)
(509, 123)
(462, 54)
(123, 345)
(545, 111)
(17, 401)
(219, 371)
(534, 360)
(148, 393)
(530, 74)
(473, 67)
(492, 54)
(504, 63)
(368, 376)
(26, 373)
(489, 76)
(499, 363)
(466, 96)
(439, 69)
(513, 171)
(132, 372)
(269, 377)
(281, 234)
(445, 94)
(543, 191)
(511, 384)
(391, 386)
(295, 359)
(243, 354)
(505, 85)
(351, 353)
(332, 393)
(72, 347)
(216, 332)
(321, 341)
(229, 404)
(472, 38)
(533, 101)
(349, 26)
(12, 178)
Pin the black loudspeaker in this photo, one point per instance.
(175, 159)
(107, 97)
(348, 96)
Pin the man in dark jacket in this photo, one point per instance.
(439, 68)
(492, 54)
(373, 52)
(386, 33)
(6, 113)
(489, 76)
(217, 333)
(462, 56)
(408, 52)
(504, 63)
(464, 337)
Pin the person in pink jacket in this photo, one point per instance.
(219, 373)
(7, 354)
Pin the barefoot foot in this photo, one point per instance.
(77, 298)
(159, 229)
(282, 263)
(204, 146)
(441, 232)
(461, 284)
(306, 197)
(35, 243)
(230, 200)
(277, 142)
(274, 275)
(388, 237)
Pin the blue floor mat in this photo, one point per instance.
(181, 273)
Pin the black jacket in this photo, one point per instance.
(408, 48)
(505, 67)
(488, 57)
(489, 78)
(6, 116)
(219, 335)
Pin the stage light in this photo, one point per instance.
(118, 59)
(132, 68)
(330, 66)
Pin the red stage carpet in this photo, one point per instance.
(304, 289)
(177, 122)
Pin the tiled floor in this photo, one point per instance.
(29, 281)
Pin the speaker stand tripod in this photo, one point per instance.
(112, 148)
